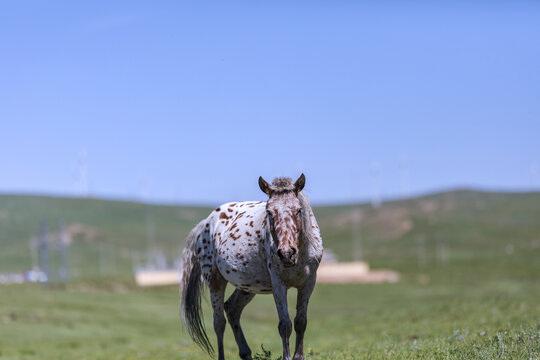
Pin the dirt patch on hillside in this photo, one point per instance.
(428, 206)
(389, 222)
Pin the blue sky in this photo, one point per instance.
(190, 102)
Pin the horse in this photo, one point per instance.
(260, 248)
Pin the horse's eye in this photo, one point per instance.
(299, 212)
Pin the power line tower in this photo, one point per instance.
(63, 245)
(357, 234)
(150, 236)
(442, 249)
(356, 218)
(43, 247)
(33, 245)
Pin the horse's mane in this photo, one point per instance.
(285, 184)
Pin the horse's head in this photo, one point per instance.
(284, 214)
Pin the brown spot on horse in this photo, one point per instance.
(223, 216)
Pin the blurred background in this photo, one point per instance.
(122, 124)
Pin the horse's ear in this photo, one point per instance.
(299, 184)
(265, 187)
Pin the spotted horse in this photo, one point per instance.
(260, 248)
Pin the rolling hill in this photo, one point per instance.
(455, 235)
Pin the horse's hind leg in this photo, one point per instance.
(217, 285)
(233, 307)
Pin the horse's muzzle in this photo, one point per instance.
(289, 257)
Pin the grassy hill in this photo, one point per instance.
(454, 235)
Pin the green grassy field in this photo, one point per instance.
(492, 320)
(470, 288)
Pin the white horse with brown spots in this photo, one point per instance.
(260, 248)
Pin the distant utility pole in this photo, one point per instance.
(375, 185)
(150, 235)
(442, 249)
(44, 248)
(63, 245)
(34, 256)
(356, 234)
(356, 218)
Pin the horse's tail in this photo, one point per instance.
(192, 286)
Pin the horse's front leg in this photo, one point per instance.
(300, 320)
(279, 291)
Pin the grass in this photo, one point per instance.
(490, 320)
(470, 287)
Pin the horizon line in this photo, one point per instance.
(174, 203)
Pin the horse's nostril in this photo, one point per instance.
(294, 250)
(280, 254)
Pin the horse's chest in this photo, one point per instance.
(295, 276)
